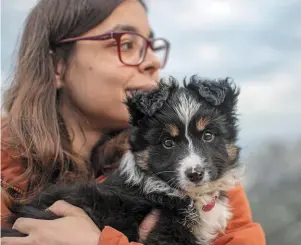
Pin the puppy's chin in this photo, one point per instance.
(191, 189)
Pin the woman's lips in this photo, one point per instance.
(145, 88)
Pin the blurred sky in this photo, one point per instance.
(256, 42)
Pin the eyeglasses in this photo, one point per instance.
(131, 46)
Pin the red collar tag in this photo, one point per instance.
(208, 207)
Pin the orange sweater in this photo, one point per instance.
(241, 229)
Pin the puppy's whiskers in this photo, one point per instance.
(165, 172)
(170, 182)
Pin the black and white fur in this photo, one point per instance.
(182, 154)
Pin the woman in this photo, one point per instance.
(77, 61)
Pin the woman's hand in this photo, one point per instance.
(75, 228)
(148, 224)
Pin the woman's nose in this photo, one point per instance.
(151, 63)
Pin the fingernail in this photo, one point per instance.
(155, 212)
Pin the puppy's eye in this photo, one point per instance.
(208, 136)
(168, 143)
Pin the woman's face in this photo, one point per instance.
(96, 81)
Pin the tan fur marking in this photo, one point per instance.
(142, 159)
(118, 143)
(111, 152)
(202, 123)
(232, 151)
(173, 130)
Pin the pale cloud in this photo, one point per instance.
(270, 106)
(20, 6)
(297, 32)
(204, 55)
(209, 55)
(270, 98)
(214, 14)
(264, 55)
(274, 93)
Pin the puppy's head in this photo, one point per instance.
(185, 135)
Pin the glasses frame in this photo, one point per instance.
(117, 36)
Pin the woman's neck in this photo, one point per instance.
(83, 137)
(84, 141)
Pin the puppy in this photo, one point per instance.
(181, 158)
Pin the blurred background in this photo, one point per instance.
(258, 44)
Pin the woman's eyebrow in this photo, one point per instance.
(130, 28)
(125, 28)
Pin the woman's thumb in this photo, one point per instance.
(62, 208)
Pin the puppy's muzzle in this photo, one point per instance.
(196, 174)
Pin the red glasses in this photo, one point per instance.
(132, 47)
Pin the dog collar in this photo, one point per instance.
(208, 207)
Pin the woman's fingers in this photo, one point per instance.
(27, 225)
(148, 224)
(62, 208)
(15, 241)
(75, 230)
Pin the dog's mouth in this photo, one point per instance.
(192, 188)
(131, 92)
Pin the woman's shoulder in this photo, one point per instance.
(241, 229)
(11, 164)
(11, 169)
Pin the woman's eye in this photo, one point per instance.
(168, 144)
(126, 45)
(208, 136)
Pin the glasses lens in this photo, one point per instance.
(132, 49)
(160, 49)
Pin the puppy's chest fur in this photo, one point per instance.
(207, 225)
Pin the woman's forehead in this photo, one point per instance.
(128, 16)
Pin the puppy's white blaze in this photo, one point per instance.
(206, 177)
(187, 108)
(190, 144)
(128, 167)
(192, 161)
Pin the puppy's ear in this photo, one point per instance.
(220, 93)
(143, 104)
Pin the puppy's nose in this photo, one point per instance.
(196, 174)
